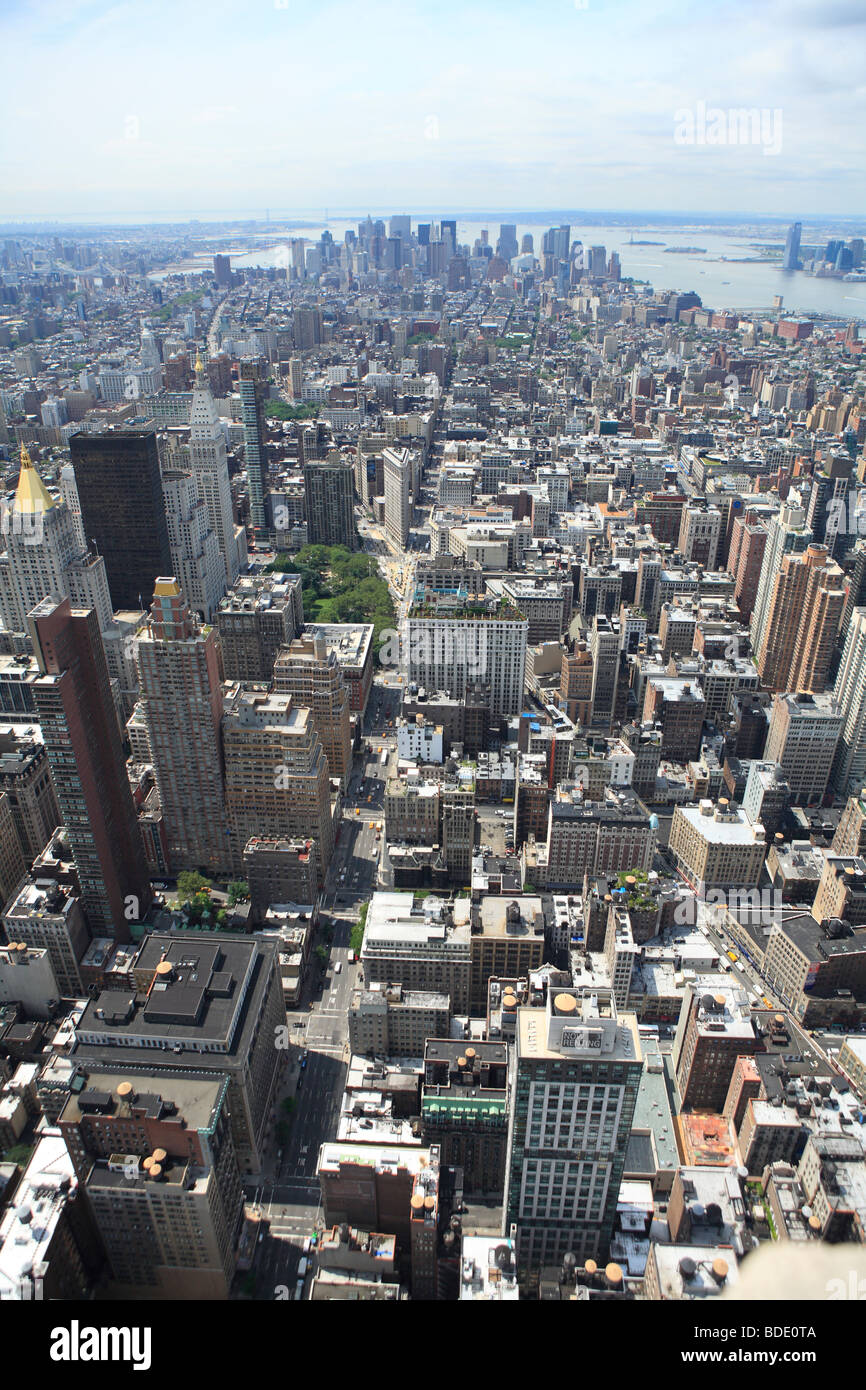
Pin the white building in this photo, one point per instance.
(420, 740)
(477, 644)
(209, 461)
(849, 768)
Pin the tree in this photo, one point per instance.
(189, 883)
(238, 892)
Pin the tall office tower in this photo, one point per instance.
(25, 777)
(605, 652)
(122, 509)
(575, 1071)
(309, 328)
(12, 862)
(448, 233)
(209, 462)
(276, 772)
(309, 671)
(850, 836)
(195, 552)
(397, 473)
(181, 707)
(745, 556)
(69, 493)
(222, 270)
(827, 514)
(221, 999)
(262, 613)
(169, 1222)
(81, 734)
(791, 258)
(803, 737)
(700, 530)
(48, 916)
(787, 534)
(855, 586)
(506, 245)
(296, 378)
(252, 389)
(483, 643)
(329, 495)
(802, 621)
(43, 558)
(714, 1030)
(849, 768)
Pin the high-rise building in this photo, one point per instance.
(252, 393)
(48, 916)
(308, 670)
(262, 613)
(25, 777)
(397, 472)
(803, 737)
(181, 706)
(604, 647)
(464, 1109)
(576, 1068)
(714, 1030)
(791, 257)
(482, 642)
(122, 509)
(802, 620)
(77, 717)
(220, 1000)
(849, 768)
(208, 460)
(44, 557)
(700, 531)
(195, 552)
(787, 534)
(157, 1162)
(222, 269)
(276, 773)
(329, 494)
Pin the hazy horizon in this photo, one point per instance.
(145, 110)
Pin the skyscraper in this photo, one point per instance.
(802, 621)
(576, 1069)
(81, 734)
(329, 493)
(252, 390)
(195, 552)
(181, 705)
(791, 258)
(397, 474)
(122, 509)
(44, 556)
(787, 534)
(208, 460)
(849, 768)
(276, 772)
(310, 672)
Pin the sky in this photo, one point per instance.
(146, 108)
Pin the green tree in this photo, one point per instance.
(189, 883)
(238, 891)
